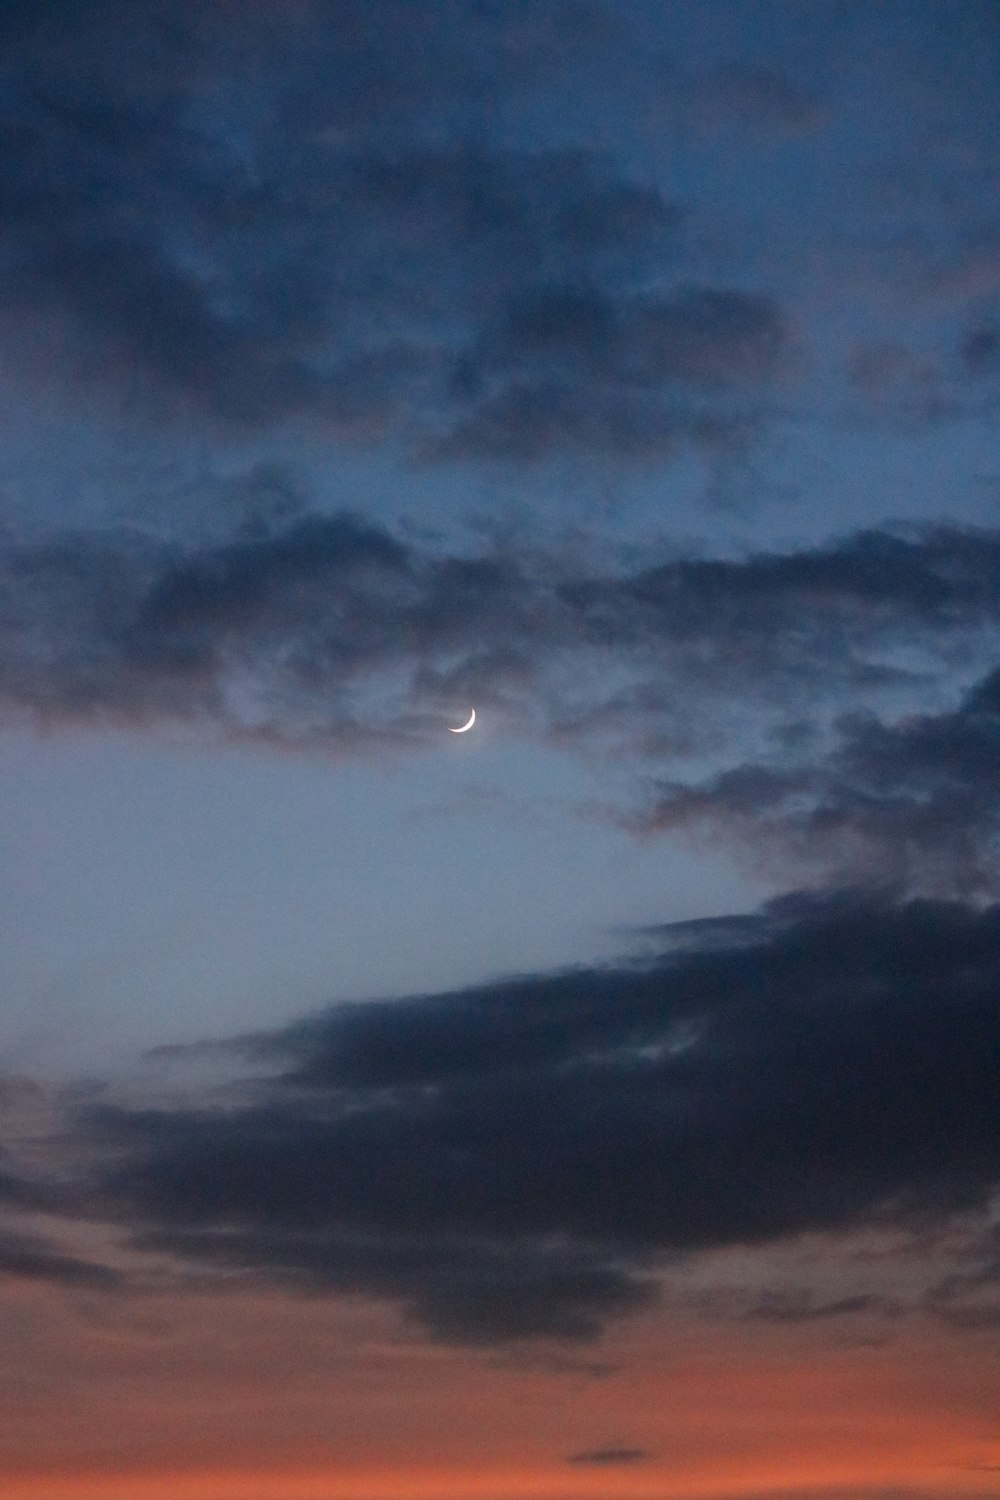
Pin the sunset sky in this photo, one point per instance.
(604, 1102)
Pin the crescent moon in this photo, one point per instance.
(462, 728)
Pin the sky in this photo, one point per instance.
(602, 1102)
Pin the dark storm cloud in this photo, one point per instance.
(517, 1158)
(462, 1291)
(917, 801)
(245, 220)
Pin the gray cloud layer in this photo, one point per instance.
(361, 217)
(250, 221)
(329, 634)
(917, 801)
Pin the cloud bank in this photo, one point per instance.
(523, 1159)
(251, 221)
(913, 801)
(328, 634)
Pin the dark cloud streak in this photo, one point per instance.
(517, 1159)
(31, 1258)
(608, 1457)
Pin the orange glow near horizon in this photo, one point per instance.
(271, 1398)
(549, 1483)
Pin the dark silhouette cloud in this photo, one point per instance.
(516, 1159)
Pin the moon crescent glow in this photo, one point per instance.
(462, 728)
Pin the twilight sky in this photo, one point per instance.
(606, 1102)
